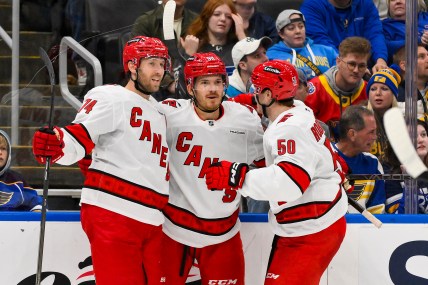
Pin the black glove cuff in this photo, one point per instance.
(236, 172)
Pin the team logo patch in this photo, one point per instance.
(312, 88)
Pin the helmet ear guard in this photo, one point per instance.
(279, 76)
(141, 47)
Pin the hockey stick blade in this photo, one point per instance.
(48, 63)
(397, 133)
(44, 56)
(168, 20)
(369, 216)
(171, 43)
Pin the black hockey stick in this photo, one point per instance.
(398, 176)
(396, 130)
(369, 216)
(44, 56)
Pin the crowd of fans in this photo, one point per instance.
(347, 52)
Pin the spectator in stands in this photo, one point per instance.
(342, 85)
(217, 29)
(394, 27)
(382, 8)
(298, 49)
(399, 59)
(357, 133)
(246, 55)
(329, 22)
(15, 193)
(302, 90)
(382, 90)
(74, 15)
(256, 24)
(150, 24)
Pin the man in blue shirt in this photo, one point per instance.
(357, 133)
(331, 21)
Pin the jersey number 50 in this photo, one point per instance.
(286, 146)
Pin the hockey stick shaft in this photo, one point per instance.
(171, 43)
(379, 177)
(48, 64)
(369, 216)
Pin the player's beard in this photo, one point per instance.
(207, 108)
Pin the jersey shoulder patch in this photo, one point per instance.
(311, 88)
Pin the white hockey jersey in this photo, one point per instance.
(128, 174)
(300, 179)
(196, 216)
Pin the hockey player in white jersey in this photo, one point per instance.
(126, 185)
(203, 225)
(302, 181)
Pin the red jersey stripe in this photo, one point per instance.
(127, 190)
(303, 212)
(300, 177)
(187, 220)
(81, 134)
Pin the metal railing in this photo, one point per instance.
(13, 43)
(69, 42)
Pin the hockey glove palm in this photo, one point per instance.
(48, 143)
(226, 175)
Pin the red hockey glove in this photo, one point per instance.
(226, 175)
(84, 164)
(48, 143)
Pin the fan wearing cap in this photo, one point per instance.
(298, 49)
(246, 55)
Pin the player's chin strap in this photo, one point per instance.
(264, 106)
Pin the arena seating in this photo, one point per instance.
(112, 34)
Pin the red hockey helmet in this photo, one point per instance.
(144, 47)
(204, 64)
(277, 75)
